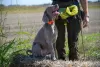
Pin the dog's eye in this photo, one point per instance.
(56, 9)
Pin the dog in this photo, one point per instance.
(45, 41)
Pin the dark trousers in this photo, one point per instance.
(73, 28)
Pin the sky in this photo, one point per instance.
(26, 2)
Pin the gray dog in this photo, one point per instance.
(44, 43)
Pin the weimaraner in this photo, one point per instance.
(44, 43)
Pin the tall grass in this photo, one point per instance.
(5, 54)
(91, 46)
(9, 49)
(18, 45)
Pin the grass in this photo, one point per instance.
(91, 46)
(18, 45)
(13, 47)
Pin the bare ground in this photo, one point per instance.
(25, 61)
(59, 63)
(33, 22)
(94, 24)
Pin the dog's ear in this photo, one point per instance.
(47, 14)
(45, 18)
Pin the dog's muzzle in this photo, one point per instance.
(55, 13)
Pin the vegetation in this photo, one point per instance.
(90, 46)
(9, 49)
(19, 45)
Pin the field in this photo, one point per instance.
(33, 20)
(20, 25)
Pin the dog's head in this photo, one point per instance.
(50, 13)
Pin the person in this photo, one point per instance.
(73, 28)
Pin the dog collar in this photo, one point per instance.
(51, 22)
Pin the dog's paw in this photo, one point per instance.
(53, 59)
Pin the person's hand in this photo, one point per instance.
(85, 21)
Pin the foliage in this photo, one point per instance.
(18, 45)
(5, 54)
(91, 45)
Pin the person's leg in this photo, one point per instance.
(73, 29)
(60, 43)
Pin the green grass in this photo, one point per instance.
(18, 45)
(14, 47)
(91, 45)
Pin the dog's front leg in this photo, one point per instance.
(52, 51)
(53, 57)
(50, 47)
(49, 40)
(55, 50)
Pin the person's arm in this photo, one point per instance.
(84, 4)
